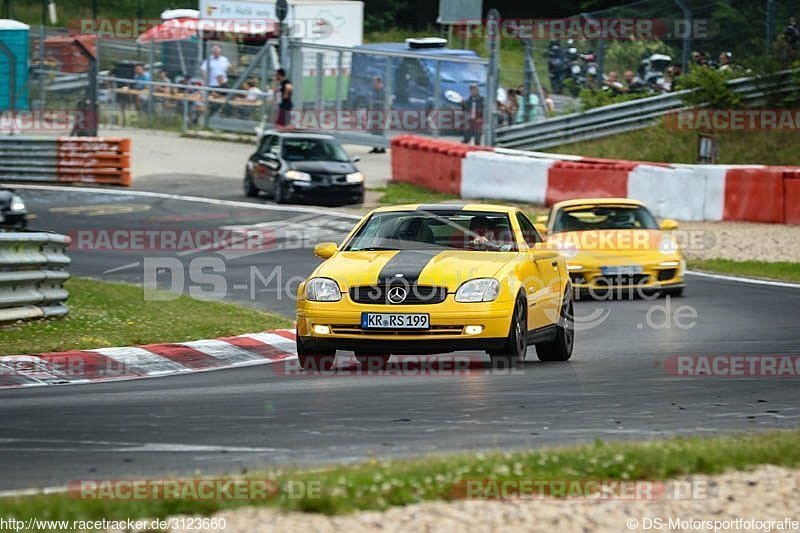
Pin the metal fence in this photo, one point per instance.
(32, 275)
(629, 116)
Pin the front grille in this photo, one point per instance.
(664, 275)
(627, 279)
(355, 329)
(415, 294)
(329, 178)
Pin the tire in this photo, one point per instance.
(517, 340)
(250, 189)
(314, 359)
(373, 361)
(280, 195)
(560, 348)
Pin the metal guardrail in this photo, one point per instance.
(627, 116)
(32, 275)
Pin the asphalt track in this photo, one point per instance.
(614, 388)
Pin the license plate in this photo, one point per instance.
(623, 270)
(395, 321)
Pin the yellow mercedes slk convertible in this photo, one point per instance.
(423, 279)
(615, 244)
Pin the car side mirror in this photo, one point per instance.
(355, 159)
(325, 250)
(542, 251)
(668, 224)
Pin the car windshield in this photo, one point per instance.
(456, 72)
(313, 150)
(603, 217)
(453, 229)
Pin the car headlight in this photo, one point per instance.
(296, 175)
(453, 96)
(17, 205)
(667, 246)
(478, 290)
(323, 290)
(355, 177)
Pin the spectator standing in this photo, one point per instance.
(532, 100)
(473, 106)
(726, 61)
(612, 82)
(284, 92)
(216, 67)
(140, 77)
(511, 106)
(377, 97)
(163, 78)
(632, 85)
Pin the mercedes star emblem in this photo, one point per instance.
(397, 295)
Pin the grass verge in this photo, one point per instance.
(783, 270)
(660, 144)
(381, 484)
(104, 314)
(406, 193)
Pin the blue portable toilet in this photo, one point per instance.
(14, 35)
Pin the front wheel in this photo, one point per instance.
(517, 341)
(560, 348)
(280, 196)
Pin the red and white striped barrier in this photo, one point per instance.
(754, 193)
(112, 364)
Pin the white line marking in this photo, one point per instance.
(196, 199)
(752, 281)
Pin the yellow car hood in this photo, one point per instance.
(427, 267)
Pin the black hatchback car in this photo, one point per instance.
(295, 166)
(13, 214)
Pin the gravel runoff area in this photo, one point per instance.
(767, 493)
(741, 241)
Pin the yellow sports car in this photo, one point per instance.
(615, 244)
(422, 279)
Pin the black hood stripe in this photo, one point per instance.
(408, 263)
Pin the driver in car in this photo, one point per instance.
(482, 234)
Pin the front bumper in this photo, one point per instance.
(325, 192)
(653, 277)
(447, 332)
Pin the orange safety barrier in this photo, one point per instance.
(431, 163)
(791, 197)
(567, 180)
(94, 160)
(754, 194)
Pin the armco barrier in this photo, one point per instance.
(66, 159)
(32, 274)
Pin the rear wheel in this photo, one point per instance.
(517, 341)
(250, 189)
(314, 359)
(560, 348)
(372, 361)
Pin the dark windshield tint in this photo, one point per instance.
(459, 230)
(313, 150)
(601, 217)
